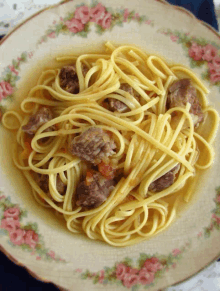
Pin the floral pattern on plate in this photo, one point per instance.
(104, 18)
(215, 220)
(146, 272)
(9, 78)
(201, 53)
(26, 236)
(148, 268)
(195, 51)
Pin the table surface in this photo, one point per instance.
(13, 277)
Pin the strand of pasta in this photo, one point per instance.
(140, 132)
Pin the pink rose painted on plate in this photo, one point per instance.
(130, 280)
(214, 69)
(215, 77)
(174, 38)
(137, 16)
(210, 52)
(145, 277)
(216, 218)
(74, 25)
(10, 224)
(51, 254)
(120, 271)
(106, 21)
(12, 212)
(152, 265)
(31, 238)
(97, 13)
(131, 271)
(17, 236)
(5, 89)
(126, 14)
(127, 275)
(216, 63)
(101, 276)
(82, 13)
(12, 69)
(196, 51)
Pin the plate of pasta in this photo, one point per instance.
(110, 142)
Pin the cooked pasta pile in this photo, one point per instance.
(153, 142)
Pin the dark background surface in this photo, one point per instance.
(13, 277)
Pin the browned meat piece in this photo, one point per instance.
(116, 105)
(92, 192)
(182, 92)
(69, 79)
(84, 70)
(43, 182)
(61, 187)
(93, 145)
(165, 181)
(41, 117)
(126, 87)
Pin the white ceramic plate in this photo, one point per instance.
(47, 249)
